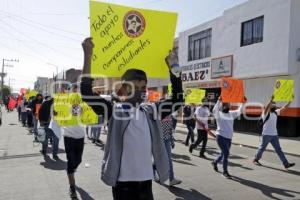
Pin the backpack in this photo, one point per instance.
(44, 112)
(262, 122)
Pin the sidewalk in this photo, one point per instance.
(288, 145)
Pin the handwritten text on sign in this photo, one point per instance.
(126, 37)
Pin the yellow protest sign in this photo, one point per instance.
(31, 93)
(284, 90)
(194, 95)
(169, 89)
(72, 111)
(126, 37)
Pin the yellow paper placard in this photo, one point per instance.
(194, 95)
(169, 89)
(284, 90)
(72, 111)
(126, 37)
(31, 93)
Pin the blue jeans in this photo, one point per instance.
(55, 143)
(95, 132)
(35, 121)
(190, 134)
(266, 139)
(24, 118)
(169, 152)
(224, 144)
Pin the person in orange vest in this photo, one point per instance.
(35, 106)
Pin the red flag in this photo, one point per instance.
(12, 103)
(20, 99)
(23, 91)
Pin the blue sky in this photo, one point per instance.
(44, 33)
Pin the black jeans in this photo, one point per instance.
(133, 190)
(202, 137)
(74, 150)
(190, 134)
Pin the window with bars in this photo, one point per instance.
(252, 31)
(199, 45)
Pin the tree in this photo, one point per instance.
(6, 91)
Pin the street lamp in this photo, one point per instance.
(54, 66)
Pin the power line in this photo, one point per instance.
(40, 24)
(37, 41)
(38, 54)
(42, 29)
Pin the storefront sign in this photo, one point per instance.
(196, 72)
(221, 67)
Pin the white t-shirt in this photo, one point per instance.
(75, 132)
(136, 163)
(270, 126)
(225, 120)
(202, 114)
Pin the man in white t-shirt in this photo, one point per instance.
(201, 115)
(270, 135)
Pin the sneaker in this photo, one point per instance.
(55, 157)
(202, 156)
(174, 182)
(289, 165)
(72, 192)
(99, 141)
(227, 175)
(256, 162)
(215, 166)
(93, 141)
(191, 149)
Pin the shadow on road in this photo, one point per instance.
(12, 124)
(182, 157)
(52, 164)
(265, 189)
(297, 173)
(183, 162)
(101, 145)
(83, 194)
(183, 194)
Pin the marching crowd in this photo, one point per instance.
(140, 135)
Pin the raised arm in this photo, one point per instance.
(236, 113)
(216, 108)
(165, 107)
(268, 107)
(282, 109)
(98, 104)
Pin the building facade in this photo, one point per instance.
(258, 42)
(41, 85)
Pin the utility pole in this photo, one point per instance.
(3, 74)
(9, 81)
